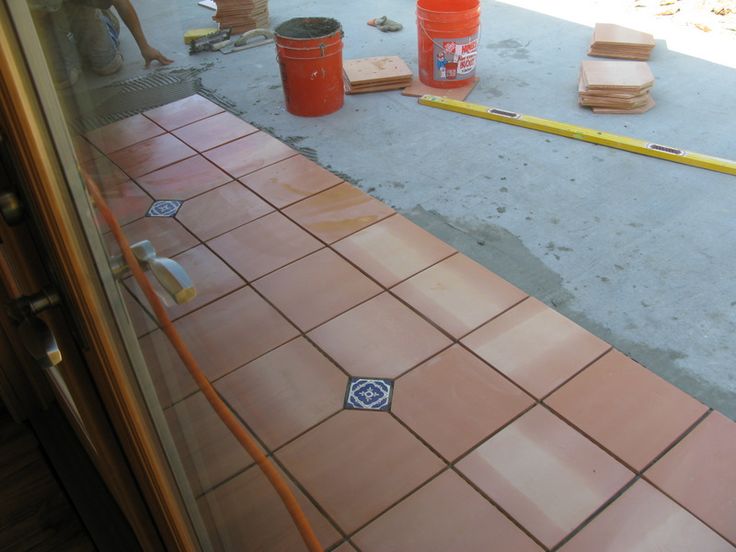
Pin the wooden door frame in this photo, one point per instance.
(107, 360)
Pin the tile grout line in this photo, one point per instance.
(578, 372)
(423, 484)
(498, 507)
(649, 466)
(598, 511)
(275, 460)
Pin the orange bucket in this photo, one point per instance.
(448, 41)
(309, 50)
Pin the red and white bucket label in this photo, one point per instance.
(454, 58)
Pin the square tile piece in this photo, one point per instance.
(535, 346)
(167, 235)
(208, 451)
(644, 520)
(446, 514)
(211, 278)
(222, 336)
(248, 154)
(104, 172)
(264, 245)
(369, 394)
(214, 131)
(337, 212)
(182, 112)
(184, 179)
(290, 180)
(316, 288)
(126, 201)
(124, 133)
(393, 250)
(247, 515)
(454, 401)
(285, 392)
(164, 208)
(699, 473)
(458, 294)
(380, 339)
(220, 210)
(149, 155)
(356, 464)
(545, 474)
(626, 408)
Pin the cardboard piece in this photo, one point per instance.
(417, 88)
(375, 74)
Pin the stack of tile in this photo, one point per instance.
(616, 86)
(615, 41)
(242, 15)
(376, 74)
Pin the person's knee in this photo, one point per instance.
(96, 36)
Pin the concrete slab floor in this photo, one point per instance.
(637, 250)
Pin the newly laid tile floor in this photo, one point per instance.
(413, 399)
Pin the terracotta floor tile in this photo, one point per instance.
(208, 451)
(380, 338)
(222, 336)
(184, 179)
(151, 154)
(535, 346)
(104, 172)
(356, 464)
(545, 474)
(264, 245)
(454, 401)
(458, 294)
(83, 150)
(285, 392)
(211, 277)
(124, 133)
(316, 288)
(393, 250)
(644, 520)
(214, 131)
(248, 516)
(183, 112)
(446, 514)
(220, 210)
(167, 235)
(337, 212)
(249, 154)
(142, 322)
(290, 180)
(699, 473)
(127, 201)
(626, 408)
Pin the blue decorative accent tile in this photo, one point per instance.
(164, 208)
(369, 394)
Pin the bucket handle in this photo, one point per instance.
(321, 46)
(421, 25)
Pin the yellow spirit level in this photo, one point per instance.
(585, 134)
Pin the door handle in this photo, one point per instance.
(40, 342)
(170, 274)
(35, 335)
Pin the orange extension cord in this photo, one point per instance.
(278, 482)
